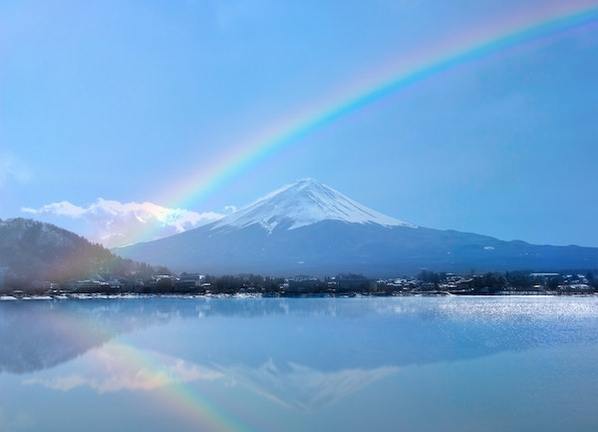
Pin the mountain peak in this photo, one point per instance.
(305, 202)
(305, 182)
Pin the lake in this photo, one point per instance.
(308, 364)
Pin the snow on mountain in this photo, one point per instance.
(303, 203)
(339, 235)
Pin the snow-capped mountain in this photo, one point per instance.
(309, 228)
(303, 203)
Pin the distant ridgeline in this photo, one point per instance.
(310, 228)
(31, 252)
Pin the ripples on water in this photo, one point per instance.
(414, 363)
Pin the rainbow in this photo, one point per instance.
(169, 392)
(178, 395)
(375, 86)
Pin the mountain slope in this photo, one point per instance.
(309, 228)
(34, 250)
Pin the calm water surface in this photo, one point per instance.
(231, 364)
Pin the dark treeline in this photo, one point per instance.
(522, 281)
(264, 285)
(426, 282)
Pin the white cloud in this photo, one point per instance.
(62, 208)
(114, 223)
(230, 208)
(12, 168)
(109, 369)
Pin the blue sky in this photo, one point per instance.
(121, 99)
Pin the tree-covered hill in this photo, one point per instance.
(36, 251)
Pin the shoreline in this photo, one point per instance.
(132, 296)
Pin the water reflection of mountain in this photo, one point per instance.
(327, 335)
